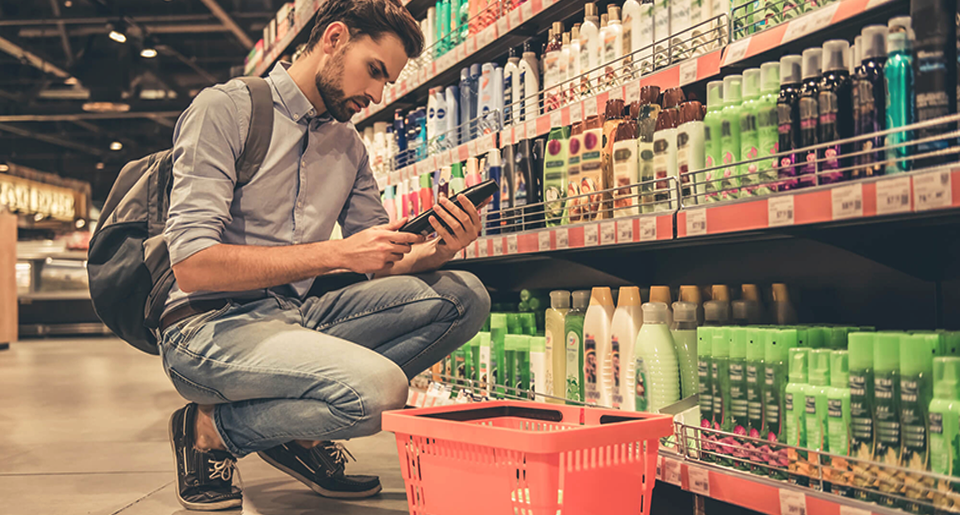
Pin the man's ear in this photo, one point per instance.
(335, 37)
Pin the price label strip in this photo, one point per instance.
(471, 251)
(932, 191)
(850, 510)
(482, 248)
(591, 235)
(576, 112)
(699, 480)
(697, 222)
(780, 211)
(544, 240)
(608, 233)
(563, 238)
(847, 201)
(792, 503)
(648, 228)
(688, 72)
(893, 196)
(625, 231)
(671, 472)
(512, 244)
(498, 246)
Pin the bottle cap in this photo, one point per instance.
(581, 299)
(514, 326)
(750, 292)
(576, 129)
(721, 292)
(716, 312)
(512, 53)
(614, 12)
(855, 50)
(946, 378)
(811, 62)
(721, 341)
(628, 296)
(790, 69)
(860, 346)
(886, 352)
(558, 28)
(538, 344)
(837, 337)
(818, 370)
(566, 38)
(691, 111)
(897, 42)
(476, 70)
(917, 352)
(528, 321)
(770, 77)
(684, 311)
(689, 292)
(654, 313)
(604, 20)
(798, 360)
(600, 296)
(817, 337)
(493, 158)
(951, 344)
(513, 341)
(902, 24)
(715, 93)
(528, 47)
(739, 309)
(660, 294)
(732, 89)
(839, 369)
(649, 94)
(738, 342)
(750, 85)
(705, 341)
(560, 299)
(673, 97)
(835, 55)
(498, 320)
(614, 109)
(575, 34)
(484, 339)
(667, 119)
(778, 343)
(755, 341)
(590, 10)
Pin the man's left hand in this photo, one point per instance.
(464, 223)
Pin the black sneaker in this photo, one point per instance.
(204, 479)
(321, 468)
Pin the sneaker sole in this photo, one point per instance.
(210, 506)
(317, 488)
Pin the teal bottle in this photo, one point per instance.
(898, 71)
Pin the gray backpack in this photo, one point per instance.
(128, 264)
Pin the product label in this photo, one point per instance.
(945, 443)
(814, 429)
(508, 99)
(772, 404)
(616, 371)
(642, 401)
(551, 78)
(914, 432)
(590, 175)
(585, 54)
(716, 393)
(661, 169)
(738, 397)
(548, 376)
(704, 388)
(554, 182)
(591, 370)
(788, 403)
(485, 367)
(573, 366)
(625, 175)
(836, 427)
(861, 416)
(754, 401)
(887, 416)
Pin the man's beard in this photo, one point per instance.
(328, 83)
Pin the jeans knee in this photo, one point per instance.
(472, 296)
(385, 389)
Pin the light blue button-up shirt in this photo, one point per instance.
(315, 174)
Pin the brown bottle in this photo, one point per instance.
(625, 200)
(613, 118)
(574, 152)
(673, 97)
(665, 157)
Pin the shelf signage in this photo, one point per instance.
(28, 197)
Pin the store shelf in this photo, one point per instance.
(301, 30)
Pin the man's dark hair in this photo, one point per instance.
(372, 18)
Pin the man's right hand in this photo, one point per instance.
(377, 248)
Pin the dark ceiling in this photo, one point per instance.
(45, 43)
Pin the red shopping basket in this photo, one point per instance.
(526, 458)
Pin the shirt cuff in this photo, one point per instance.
(186, 243)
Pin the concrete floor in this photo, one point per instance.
(83, 430)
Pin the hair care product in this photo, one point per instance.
(591, 47)
(775, 356)
(627, 320)
(632, 37)
(591, 169)
(657, 382)
(730, 136)
(647, 113)
(647, 37)
(810, 114)
(916, 390)
(551, 68)
(945, 419)
(662, 294)
(815, 408)
(573, 327)
(886, 406)
(768, 138)
(555, 350)
(722, 389)
(869, 98)
(738, 392)
(539, 368)
(598, 354)
(691, 153)
(466, 117)
(612, 38)
(754, 374)
(573, 65)
(494, 172)
(665, 158)
(935, 73)
(836, 112)
(838, 420)
(898, 75)
(795, 427)
(452, 99)
(498, 360)
(555, 175)
(749, 177)
(691, 293)
(661, 33)
(511, 88)
(529, 85)
(861, 385)
(788, 118)
(705, 382)
(574, 151)
(612, 121)
(486, 108)
(713, 129)
(684, 333)
(625, 174)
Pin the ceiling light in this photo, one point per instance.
(80, 223)
(116, 145)
(148, 53)
(106, 107)
(68, 4)
(72, 81)
(38, 217)
(100, 165)
(4, 167)
(118, 32)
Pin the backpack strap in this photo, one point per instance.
(260, 132)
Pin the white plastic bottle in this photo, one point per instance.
(680, 28)
(486, 104)
(539, 368)
(452, 99)
(529, 84)
(564, 67)
(573, 63)
(684, 333)
(631, 26)
(596, 347)
(497, 121)
(511, 88)
(555, 350)
(661, 33)
(627, 320)
(612, 47)
(658, 376)
(590, 46)
(440, 121)
(551, 67)
(647, 36)
(431, 119)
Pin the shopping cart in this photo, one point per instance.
(525, 458)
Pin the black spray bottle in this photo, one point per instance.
(809, 115)
(788, 118)
(935, 73)
(870, 98)
(836, 109)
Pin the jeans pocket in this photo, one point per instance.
(189, 327)
(195, 392)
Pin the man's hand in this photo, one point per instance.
(377, 248)
(464, 223)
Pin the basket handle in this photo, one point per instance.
(546, 415)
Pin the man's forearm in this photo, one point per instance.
(231, 268)
(425, 257)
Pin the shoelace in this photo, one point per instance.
(222, 469)
(339, 453)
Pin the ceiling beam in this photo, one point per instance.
(69, 117)
(53, 140)
(228, 21)
(93, 30)
(103, 20)
(32, 59)
(62, 29)
(168, 50)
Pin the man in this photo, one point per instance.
(266, 369)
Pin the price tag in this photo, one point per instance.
(792, 503)
(688, 72)
(503, 25)
(531, 129)
(472, 149)
(556, 118)
(893, 196)
(487, 36)
(544, 240)
(671, 472)
(548, 3)
(697, 222)
(498, 246)
(485, 143)
(870, 5)
(471, 45)
(608, 233)
(590, 107)
(461, 52)
(648, 228)
(576, 112)
(631, 92)
(850, 510)
(798, 27)
(563, 238)
(699, 480)
(736, 51)
(659, 467)
(591, 235)
(471, 251)
(932, 191)
(514, 18)
(780, 211)
(615, 94)
(512, 244)
(625, 231)
(526, 10)
(847, 201)
(483, 250)
(821, 18)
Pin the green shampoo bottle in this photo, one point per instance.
(776, 352)
(730, 136)
(573, 328)
(705, 384)
(860, 348)
(768, 122)
(721, 389)
(815, 407)
(886, 410)
(755, 389)
(838, 422)
(738, 394)
(713, 122)
(795, 432)
(916, 390)
(749, 177)
(555, 164)
(945, 424)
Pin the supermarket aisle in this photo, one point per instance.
(83, 431)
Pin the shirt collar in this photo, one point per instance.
(297, 104)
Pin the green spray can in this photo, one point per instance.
(498, 358)
(838, 424)
(861, 383)
(815, 408)
(713, 124)
(795, 432)
(738, 395)
(886, 412)
(755, 391)
(775, 356)
(945, 426)
(916, 390)
(705, 386)
(721, 390)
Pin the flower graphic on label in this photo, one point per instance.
(752, 153)
(727, 158)
(831, 155)
(811, 157)
(785, 162)
(752, 168)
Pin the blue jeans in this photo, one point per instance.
(279, 369)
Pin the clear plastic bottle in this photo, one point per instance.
(684, 332)
(658, 378)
